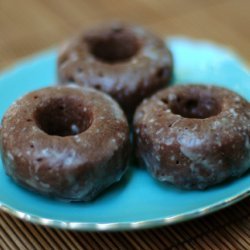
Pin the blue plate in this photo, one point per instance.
(137, 201)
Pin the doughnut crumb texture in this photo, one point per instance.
(68, 143)
(125, 61)
(193, 136)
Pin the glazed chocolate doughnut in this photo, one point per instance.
(194, 136)
(127, 62)
(69, 143)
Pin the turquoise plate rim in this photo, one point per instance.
(115, 226)
(120, 226)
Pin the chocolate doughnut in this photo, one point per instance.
(127, 62)
(194, 136)
(65, 142)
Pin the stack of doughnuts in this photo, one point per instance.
(71, 142)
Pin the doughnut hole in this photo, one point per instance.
(194, 104)
(65, 116)
(116, 45)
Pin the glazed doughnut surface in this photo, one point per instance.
(70, 143)
(125, 61)
(194, 136)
